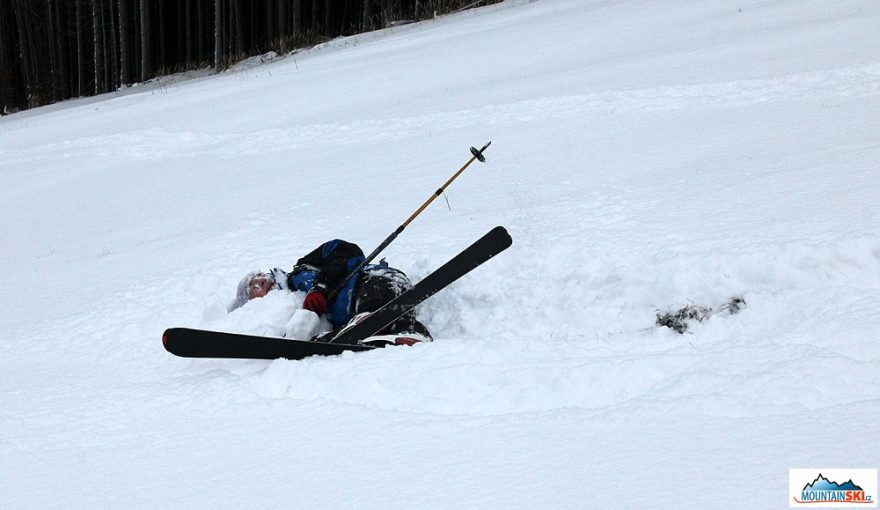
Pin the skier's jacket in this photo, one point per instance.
(323, 269)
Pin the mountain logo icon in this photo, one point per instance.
(823, 484)
(825, 488)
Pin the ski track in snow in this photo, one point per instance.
(161, 144)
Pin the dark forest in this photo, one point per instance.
(52, 50)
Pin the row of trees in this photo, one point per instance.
(56, 49)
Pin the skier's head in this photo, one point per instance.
(254, 285)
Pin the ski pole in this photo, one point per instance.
(477, 154)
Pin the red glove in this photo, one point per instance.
(316, 302)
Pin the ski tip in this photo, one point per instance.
(168, 338)
(501, 233)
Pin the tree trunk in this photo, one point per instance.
(63, 49)
(314, 23)
(237, 24)
(54, 74)
(113, 51)
(80, 51)
(296, 20)
(200, 47)
(218, 34)
(6, 68)
(98, 46)
(124, 44)
(270, 21)
(9, 72)
(282, 26)
(189, 33)
(160, 66)
(146, 53)
(365, 23)
(24, 55)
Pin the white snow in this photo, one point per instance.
(645, 155)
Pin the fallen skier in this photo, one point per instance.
(320, 272)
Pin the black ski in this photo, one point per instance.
(201, 343)
(491, 244)
(197, 343)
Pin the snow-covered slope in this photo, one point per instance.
(644, 155)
